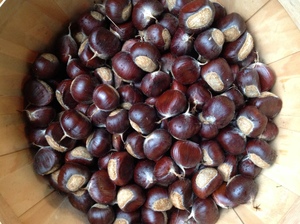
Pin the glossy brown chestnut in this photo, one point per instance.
(196, 16)
(217, 74)
(120, 168)
(73, 177)
(46, 161)
(130, 197)
(232, 25)
(155, 83)
(82, 88)
(88, 57)
(247, 168)
(181, 194)
(46, 66)
(260, 153)
(40, 117)
(129, 95)
(181, 43)
(38, 93)
(213, 155)
(186, 69)
(158, 199)
(101, 188)
(91, 20)
(98, 143)
(75, 124)
(127, 217)
(197, 95)
(251, 121)
(181, 216)
(75, 67)
(145, 55)
(142, 118)
(106, 97)
(143, 174)
(219, 110)
(221, 199)
(97, 116)
(206, 181)
(229, 167)
(64, 96)
(100, 213)
(232, 140)
(184, 126)
(149, 216)
(236, 96)
(157, 143)
(79, 155)
(205, 210)
(36, 136)
(209, 43)
(248, 82)
(170, 22)
(119, 11)
(117, 121)
(81, 200)
(266, 75)
(66, 48)
(270, 133)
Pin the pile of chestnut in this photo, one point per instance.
(153, 111)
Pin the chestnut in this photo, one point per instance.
(247, 81)
(57, 139)
(221, 199)
(106, 97)
(181, 43)
(220, 12)
(66, 47)
(124, 31)
(158, 35)
(46, 66)
(79, 155)
(260, 153)
(75, 124)
(100, 213)
(64, 96)
(155, 83)
(241, 189)
(118, 11)
(181, 194)
(97, 116)
(120, 168)
(142, 118)
(124, 67)
(88, 57)
(181, 216)
(130, 197)
(213, 154)
(134, 145)
(145, 55)
(98, 143)
(166, 171)
(266, 75)
(73, 177)
(175, 6)
(129, 95)
(268, 103)
(166, 62)
(81, 200)
(217, 74)
(144, 13)
(105, 75)
(205, 210)
(82, 88)
(232, 140)
(236, 96)
(36, 136)
(40, 117)
(104, 43)
(75, 67)
(229, 167)
(198, 95)
(232, 25)
(208, 130)
(251, 121)
(169, 21)
(157, 143)
(46, 161)
(38, 93)
(219, 110)
(101, 188)
(186, 69)
(186, 154)
(209, 43)
(270, 133)
(117, 121)
(90, 20)
(239, 49)
(184, 126)
(171, 103)
(206, 181)
(158, 200)
(127, 217)
(148, 216)
(196, 16)
(144, 174)
(247, 168)
(103, 161)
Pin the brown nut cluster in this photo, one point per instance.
(153, 111)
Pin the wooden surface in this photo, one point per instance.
(26, 198)
(293, 9)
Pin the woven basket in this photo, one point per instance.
(27, 28)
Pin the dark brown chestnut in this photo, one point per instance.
(236, 96)
(120, 168)
(117, 121)
(88, 57)
(181, 43)
(228, 168)
(82, 88)
(101, 188)
(266, 75)
(155, 83)
(270, 133)
(79, 155)
(197, 95)
(81, 200)
(106, 97)
(181, 194)
(127, 217)
(40, 117)
(221, 198)
(248, 82)
(46, 66)
(90, 20)
(247, 168)
(170, 22)
(130, 197)
(205, 210)
(98, 143)
(97, 116)
(100, 213)
(129, 95)
(75, 67)
(213, 155)
(158, 199)
(119, 11)
(144, 174)
(64, 96)
(148, 216)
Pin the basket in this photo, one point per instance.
(27, 28)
